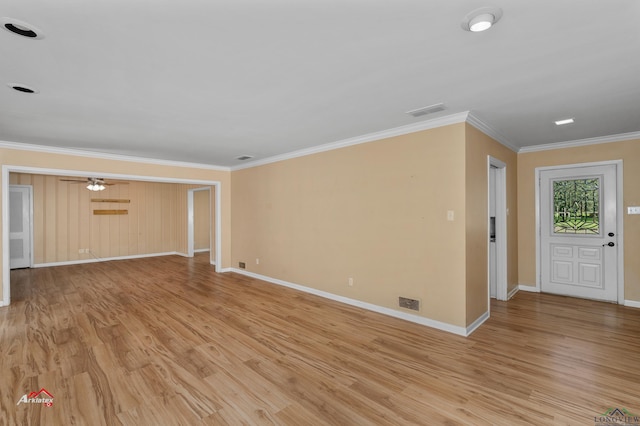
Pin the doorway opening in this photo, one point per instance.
(200, 222)
(497, 229)
(20, 226)
(215, 243)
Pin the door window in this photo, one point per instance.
(576, 206)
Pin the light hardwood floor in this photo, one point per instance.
(166, 341)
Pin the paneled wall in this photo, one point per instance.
(65, 228)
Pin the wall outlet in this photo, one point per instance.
(242, 265)
(80, 251)
(450, 215)
(405, 302)
(633, 210)
(257, 260)
(350, 282)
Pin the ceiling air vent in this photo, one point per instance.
(427, 110)
(244, 157)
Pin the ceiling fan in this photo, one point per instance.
(94, 184)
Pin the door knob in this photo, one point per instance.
(610, 244)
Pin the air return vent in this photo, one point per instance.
(405, 302)
(427, 110)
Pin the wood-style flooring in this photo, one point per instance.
(167, 341)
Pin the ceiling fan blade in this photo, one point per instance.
(73, 180)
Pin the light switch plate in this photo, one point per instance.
(633, 210)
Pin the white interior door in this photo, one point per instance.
(578, 217)
(19, 226)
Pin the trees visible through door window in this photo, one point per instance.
(576, 206)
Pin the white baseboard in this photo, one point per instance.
(461, 331)
(632, 303)
(477, 323)
(513, 292)
(105, 259)
(528, 288)
(201, 250)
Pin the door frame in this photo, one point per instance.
(619, 219)
(191, 222)
(30, 196)
(501, 228)
(6, 169)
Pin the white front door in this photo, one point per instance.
(19, 226)
(578, 217)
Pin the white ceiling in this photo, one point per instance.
(206, 81)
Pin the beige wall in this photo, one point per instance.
(376, 212)
(15, 157)
(201, 223)
(629, 153)
(478, 147)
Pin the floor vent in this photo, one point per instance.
(405, 302)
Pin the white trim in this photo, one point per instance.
(632, 303)
(6, 272)
(619, 218)
(528, 288)
(477, 323)
(461, 331)
(105, 156)
(7, 168)
(501, 226)
(512, 292)
(201, 250)
(85, 173)
(491, 132)
(369, 137)
(581, 142)
(191, 221)
(105, 259)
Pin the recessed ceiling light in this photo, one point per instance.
(23, 88)
(565, 121)
(481, 19)
(21, 28)
(244, 157)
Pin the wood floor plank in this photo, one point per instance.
(168, 341)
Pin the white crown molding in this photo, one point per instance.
(490, 131)
(582, 142)
(369, 137)
(105, 156)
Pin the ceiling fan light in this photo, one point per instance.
(95, 187)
